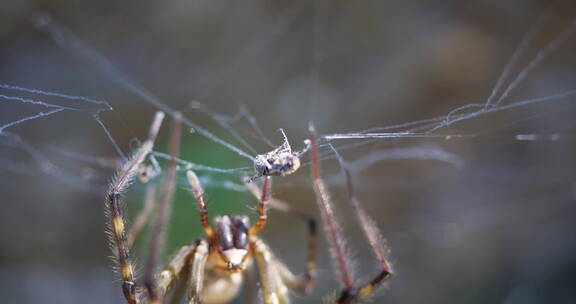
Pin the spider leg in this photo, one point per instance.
(114, 210)
(123, 254)
(197, 268)
(372, 234)
(274, 291)
(180, 287)
(198, 264)
(250, 280)
(198, 193)
(351, 293)
(164, 211)
(175, 267)
(144, 214)
(296, 283)
(335, 239)
(262, 207)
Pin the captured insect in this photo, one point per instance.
(281, 161)
(211, 267)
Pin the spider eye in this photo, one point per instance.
(241, 240)
(241, 224)
(225, 238)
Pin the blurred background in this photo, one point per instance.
(490, 220)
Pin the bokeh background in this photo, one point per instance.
(493, 223)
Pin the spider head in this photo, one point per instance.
(232, 241)
(276, 163)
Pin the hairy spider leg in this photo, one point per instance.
(198, 193)
(143, 215)
(293, 281)
(114, 211)
(262, 207)
(335, 238)
(165, 208)
(351, 293)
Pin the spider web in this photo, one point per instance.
(53, 103)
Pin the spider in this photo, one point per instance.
(213, 266)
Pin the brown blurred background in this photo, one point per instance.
(496, 224)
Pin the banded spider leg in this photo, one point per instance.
(119, 238)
